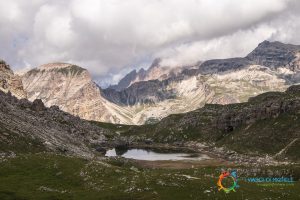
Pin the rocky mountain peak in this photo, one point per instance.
(3, 65)
(9, 82)
(126, 81)
(38, 105)
(155, 72)
(278, 45)
(155, 63)
(56, 65)
(274, 54)
(64, 69)
(136, 76)
(70, 87)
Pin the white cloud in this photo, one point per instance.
(11, 11)
(237, 44)
(108, 37)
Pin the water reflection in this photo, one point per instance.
(147, 154)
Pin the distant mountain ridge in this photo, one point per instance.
(272, 54)
(152, 94)
(155, 71)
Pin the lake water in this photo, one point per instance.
(153, 155)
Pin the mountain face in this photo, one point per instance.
(147, 92)
(71, 88)
(274, 54)
(223, 65)
(10, 82)
(146, 96)
(31, 127)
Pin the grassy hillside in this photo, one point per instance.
(48, 176)
(18, 143)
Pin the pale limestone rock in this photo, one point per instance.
(10, 82)
(71, 88)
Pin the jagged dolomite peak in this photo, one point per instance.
(155, 72)
(10, 82)
(71, 88)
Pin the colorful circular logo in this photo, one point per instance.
(231, 175)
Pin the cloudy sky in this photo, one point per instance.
(111, 37)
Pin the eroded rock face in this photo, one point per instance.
(71, 88)
(222, 65)
(228, 121)
(10, 82)
(146, 92)
(156, 99)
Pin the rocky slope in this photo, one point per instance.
(10, 82)
(31, 127)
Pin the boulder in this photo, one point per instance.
(38, 105)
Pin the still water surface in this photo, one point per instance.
(152, 155)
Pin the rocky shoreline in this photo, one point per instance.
(219, 155)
